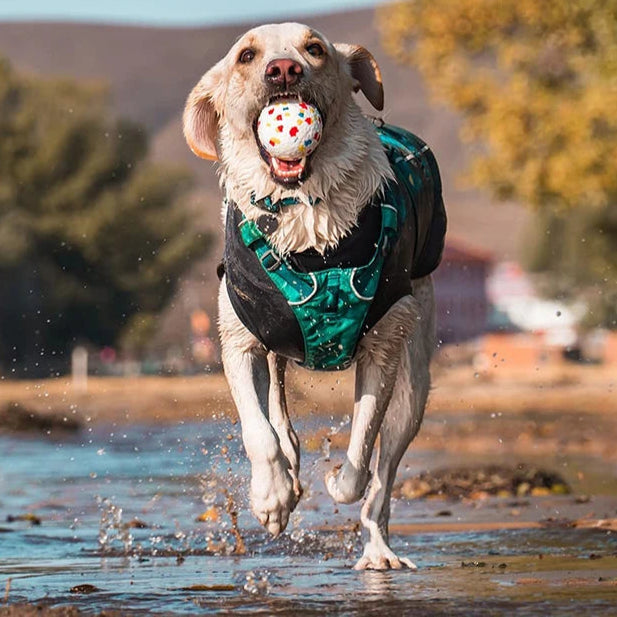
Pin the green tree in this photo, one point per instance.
(93, 238)
(535, 82)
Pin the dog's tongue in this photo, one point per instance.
(289, 165)
(288, 169)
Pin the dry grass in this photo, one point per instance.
(554, 388)
(577, 389)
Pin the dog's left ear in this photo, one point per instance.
(365, 72)
(201, 119)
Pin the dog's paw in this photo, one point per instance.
(274, 494)
(346, 484)
(382, 559)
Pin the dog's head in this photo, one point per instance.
(280, 60)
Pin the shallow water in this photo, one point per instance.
(87, 488)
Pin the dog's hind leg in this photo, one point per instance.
(246, 367)
(279, 418)
(400, 425)
(378, 359)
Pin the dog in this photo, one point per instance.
(295, 232)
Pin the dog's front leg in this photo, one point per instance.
(279, 418)
(376, 370)
(246, 367)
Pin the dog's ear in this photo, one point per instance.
(365, 72)
(201, 118)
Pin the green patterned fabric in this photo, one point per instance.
(331, 305)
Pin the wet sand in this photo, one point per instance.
(40, 610)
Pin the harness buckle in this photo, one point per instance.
(270, 260)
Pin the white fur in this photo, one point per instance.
(349, 166)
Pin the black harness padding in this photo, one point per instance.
(353, 251)
(255, 298)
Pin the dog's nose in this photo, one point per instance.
(283, 72)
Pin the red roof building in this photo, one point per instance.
(460, 292)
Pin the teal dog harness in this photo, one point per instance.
(330, 305)
(330, 298)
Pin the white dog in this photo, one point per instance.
(326, 263)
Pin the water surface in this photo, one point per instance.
(118, 509)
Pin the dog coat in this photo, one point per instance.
(314, 308)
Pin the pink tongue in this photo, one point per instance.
(290, 165)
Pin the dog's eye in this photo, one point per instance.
(315, 49)
(246, 56)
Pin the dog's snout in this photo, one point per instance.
(283, 72)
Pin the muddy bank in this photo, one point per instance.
(18, 418)
(565, 411)
(482, 482)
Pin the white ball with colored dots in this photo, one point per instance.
(289, 130)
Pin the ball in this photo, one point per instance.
(289, 129)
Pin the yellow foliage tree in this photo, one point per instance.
(536, 82)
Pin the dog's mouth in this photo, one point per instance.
(288, 172)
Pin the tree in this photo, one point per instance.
(535, 82)
(92, 237)
(576, 252)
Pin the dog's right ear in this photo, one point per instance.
(201, 118)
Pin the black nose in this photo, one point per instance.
(283, 72)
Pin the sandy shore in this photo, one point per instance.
(561, 389)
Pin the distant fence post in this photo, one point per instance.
(79, 368)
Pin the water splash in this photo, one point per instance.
(326, 444)
(257, 583)
(111, 528)
(334, 430)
